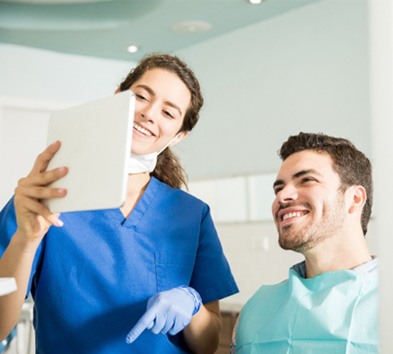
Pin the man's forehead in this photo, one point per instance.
(307, 160)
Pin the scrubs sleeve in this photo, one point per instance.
(212, 276)
(8, 227)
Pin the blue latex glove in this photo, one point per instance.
(168, 312)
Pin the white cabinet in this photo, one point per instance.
(260, 196)
(237, 199)
(226, 198)
(23, 130)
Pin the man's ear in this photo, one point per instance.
(358, 197)
(179, 137)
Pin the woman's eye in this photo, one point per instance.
(140, 97)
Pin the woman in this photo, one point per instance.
(132, 280)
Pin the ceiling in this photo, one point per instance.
(105, 28)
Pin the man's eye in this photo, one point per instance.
(277, 189)
(169, 114)
(307, 179)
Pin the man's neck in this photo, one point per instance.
(337, 254)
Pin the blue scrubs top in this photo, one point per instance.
(91, 279)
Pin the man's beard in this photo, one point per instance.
(317, 231)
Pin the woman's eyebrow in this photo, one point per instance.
(169, 103)
(147, 88)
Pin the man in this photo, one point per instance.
(321, 210)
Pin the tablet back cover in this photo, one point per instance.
(95, 146)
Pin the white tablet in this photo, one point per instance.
(7, 286)
(95, 146)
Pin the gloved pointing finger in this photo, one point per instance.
(168, 312)
(145, 322)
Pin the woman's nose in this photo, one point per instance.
(148, 112)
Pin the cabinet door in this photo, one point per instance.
(23, 130)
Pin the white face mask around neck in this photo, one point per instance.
(145, 163)
(142, 163)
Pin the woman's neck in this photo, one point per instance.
(136, 185)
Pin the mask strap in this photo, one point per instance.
(170, 143)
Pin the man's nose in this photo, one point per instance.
(287, 193)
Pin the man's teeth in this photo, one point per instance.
(292, 215)
(142, 130)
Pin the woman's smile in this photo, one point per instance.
(143, 131)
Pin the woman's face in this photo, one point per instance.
(162, 100)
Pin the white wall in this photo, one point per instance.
(50, 76)
(381, 69)
(306, 69)
(303, 70)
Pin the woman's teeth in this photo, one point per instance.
(142, 130)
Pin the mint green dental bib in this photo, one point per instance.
(333, 313)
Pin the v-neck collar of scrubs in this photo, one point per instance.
(141, 207)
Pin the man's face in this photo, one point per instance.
(309, 206)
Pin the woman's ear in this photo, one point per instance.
(179, 137)
(358, 197)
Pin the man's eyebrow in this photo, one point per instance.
(278, 182)
(299, 174)
(305, 172)
(169, 103)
